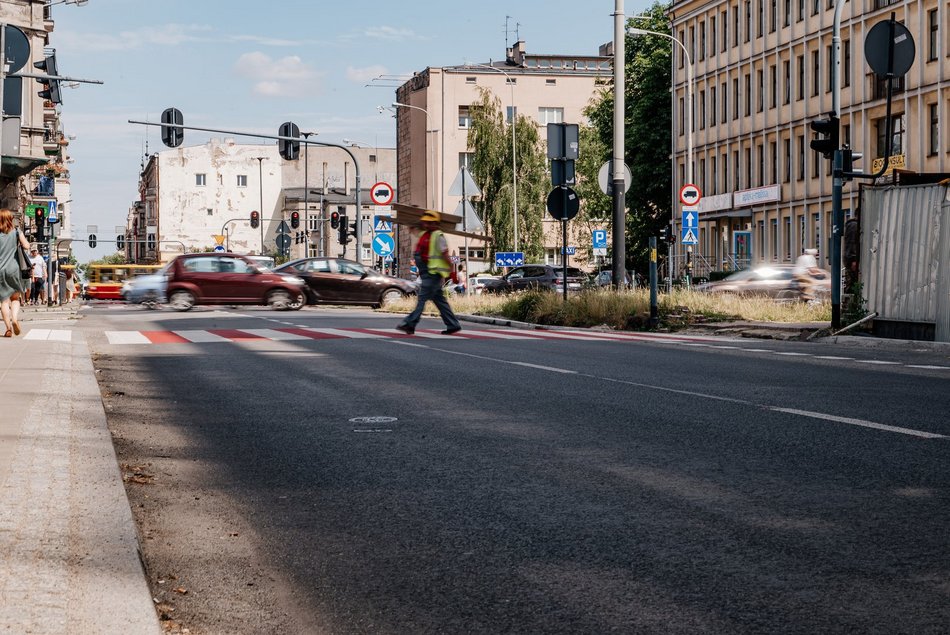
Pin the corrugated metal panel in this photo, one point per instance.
(905, 244)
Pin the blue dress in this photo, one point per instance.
(10, 280)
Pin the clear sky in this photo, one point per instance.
(249, 65)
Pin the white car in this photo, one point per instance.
(477, 283)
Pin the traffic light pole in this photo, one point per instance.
(837, 223)
(356, 165)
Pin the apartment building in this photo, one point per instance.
(432, 126)
(189, 196)
(34, 171)
(762, 72)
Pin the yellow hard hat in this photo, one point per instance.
(431, 217)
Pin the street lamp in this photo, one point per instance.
(689, 114)
(260, 179)
(396, 104)
(514, 161)
(78, 3)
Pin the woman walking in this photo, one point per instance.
(11, 283)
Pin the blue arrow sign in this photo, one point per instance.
(599, 239)
(690, 218)
(383, 244)
(509, 258)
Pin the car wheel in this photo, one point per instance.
(389, 296)
(297, 304)
(181, 300)
(280, 300)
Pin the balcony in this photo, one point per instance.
(879, 86)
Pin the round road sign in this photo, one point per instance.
(382, 193)
(563, 203)
(690, 195)
(877, 48)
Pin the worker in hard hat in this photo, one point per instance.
(432, 259)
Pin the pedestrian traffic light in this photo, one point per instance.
(829, 130)
(848, 158)
(295, 220)
(255, 219)
(342, 233)
(289, 150)
(171, 136)
(334, 220)
(40, 216)
(51, 91)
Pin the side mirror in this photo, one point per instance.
(364, 275)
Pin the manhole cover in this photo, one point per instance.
(373, 419)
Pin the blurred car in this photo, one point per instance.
(479, 282)
(149, 289)
(537, 277)
(225, 278)
(341, 281)
(772, 281)
(606, 277)
(262, 262)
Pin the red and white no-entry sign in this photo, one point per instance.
(382, 193)
(690, 195)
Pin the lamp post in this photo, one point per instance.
(260, 178)
(514, 160)
(689, 117)
(396, 104)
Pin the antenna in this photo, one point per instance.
(517, 31)
(507, 31)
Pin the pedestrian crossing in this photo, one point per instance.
(210, 336)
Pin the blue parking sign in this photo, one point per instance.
(599, 239)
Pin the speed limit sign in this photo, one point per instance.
(690, 195)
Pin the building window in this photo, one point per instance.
(773, 16)
(879, 87)
(735, 25)
(801, 10)
(773, 86)
(465, 160)
(788, 160)
(846, 135)
(831, 65)
(815, 72)
(550, 115)
(510, 113)
(801, 157)
(788, 238)
(787, 71)
(897, 135)
(748, 20)
(760, 90)
(761, 175)
(788, 13)
(470, 79)
(735, 98)
(724, 22)
(682, 111)
(773, 155)
(748, 167)
(748, 94)
(702, 39)
(815, 6)
(712, 36)
(692, 43)
(725, 106)
(932, 42)
(846, 71)
(725, 172)
(760, 21)
(242, 180)
(712, 106)
(715, 180)
(801, 77)
(934, 114)
(465, 117)
(773, 230)
(201, 179)
(702, 109)
(682, 51)
(550, 82)
(735, 170)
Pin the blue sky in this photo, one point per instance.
(249, 65)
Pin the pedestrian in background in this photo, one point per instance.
(38, 283)
(806, 268)
(432, 259)
(11, 282)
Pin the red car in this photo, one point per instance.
(225, 278)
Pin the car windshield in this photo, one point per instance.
(572, 272)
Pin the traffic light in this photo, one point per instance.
(255, 219)
(172, 137)
(40, 220)
(353, 230)
(51, 91)
(829, 129)
(289, 150)
(120, 242)
(334, 220)
(848, 158)
(295, 220)
(342, 234)
(671, 234)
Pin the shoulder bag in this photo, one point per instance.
(23, 259)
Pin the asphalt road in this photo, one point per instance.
(525, 485)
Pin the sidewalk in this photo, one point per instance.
(69, 559)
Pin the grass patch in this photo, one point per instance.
(629, 310)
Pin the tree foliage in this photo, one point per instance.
(647, 130)
(491, 166)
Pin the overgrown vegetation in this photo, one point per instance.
(630, 310)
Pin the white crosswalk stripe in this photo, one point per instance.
(273, 334)
(49, 335)
(200, 336)
(126, 337)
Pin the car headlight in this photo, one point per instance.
(292, 279)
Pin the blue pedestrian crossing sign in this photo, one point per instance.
(383, 244)
(509, 258)
(690, 229)
(382, 224)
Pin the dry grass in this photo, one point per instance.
(629, 309)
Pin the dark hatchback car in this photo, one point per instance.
(537, 277)
(341, 281)
(225, 278)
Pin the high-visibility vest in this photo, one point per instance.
(435, 263)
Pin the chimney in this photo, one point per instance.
(515, 54)
(607, 50)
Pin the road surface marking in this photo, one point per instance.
(49, 335)
(834, 357)
(550, 368)
(200, 337)
(791, 354)
(127, 337)
(875, 361)
(859, 422)
(346, 333)
(274, 334)
(928, 367)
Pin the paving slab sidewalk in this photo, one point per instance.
(69, 559)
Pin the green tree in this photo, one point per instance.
(647, 142)
(491, 165)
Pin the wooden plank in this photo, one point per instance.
(409, 215)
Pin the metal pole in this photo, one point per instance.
(3, 71)
(654, 309)
(260, 177)
(619, 212)
(837, 221)
(564, 247)
(306, 192)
